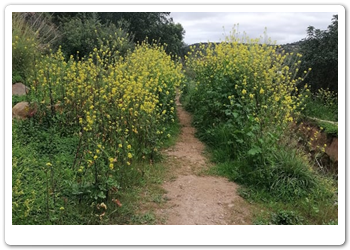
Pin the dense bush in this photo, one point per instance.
(144, 26)
(81, 36)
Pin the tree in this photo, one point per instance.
(152, 27)
(149, 26)
(320, 52)
(172, 34)
(83, 34)
(141, 24)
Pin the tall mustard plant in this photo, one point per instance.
(244, 94)
(122, 106)
(251, 84)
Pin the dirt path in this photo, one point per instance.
(192, 197)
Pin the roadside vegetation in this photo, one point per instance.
(246, 98)
(101, 96)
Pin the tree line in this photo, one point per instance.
(320, 52)
(78, 33)
(81, 31)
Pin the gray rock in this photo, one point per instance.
(19, 89)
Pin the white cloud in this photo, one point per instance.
(282, 27)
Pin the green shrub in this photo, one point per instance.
(81, 36)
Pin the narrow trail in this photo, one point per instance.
(192, 197)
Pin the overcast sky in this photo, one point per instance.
(282, 27)
(203, 23)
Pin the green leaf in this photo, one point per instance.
(250, 134)
(239, 141)
(227, 112)
(101, 195)
(254, 151)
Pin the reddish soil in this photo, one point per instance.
(192, 197)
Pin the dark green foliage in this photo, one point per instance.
(82, 35)
(320, 52)
(172, 35)
(141, 24)
(286, 218)
(16, 99)
(153, 27)
(281, 217)
(38, 189)
(329, 128)
(17, 78)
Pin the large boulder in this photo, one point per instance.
(23, 110)
(19, 89)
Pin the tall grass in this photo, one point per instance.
(32, 34)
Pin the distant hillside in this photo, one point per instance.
(292, 47)
(288, 47)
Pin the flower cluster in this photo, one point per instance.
(120, 104)
(255, 76)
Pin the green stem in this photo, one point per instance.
(95, 174)
(77, 152)
(47, 197)
(53, 186)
